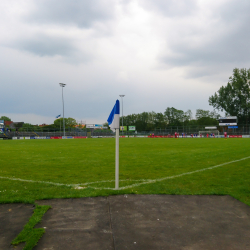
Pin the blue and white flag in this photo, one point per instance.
(58, 116)
(114, 117)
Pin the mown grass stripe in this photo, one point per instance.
(142, 181)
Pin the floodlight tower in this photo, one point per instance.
(248, 81)
(122, 112)
(63, 85)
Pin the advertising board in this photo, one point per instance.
(131, 128)
(1, 124)
(210, 127)
(94, 126)
(235, 136)
(228, 121)
(123, 128)
(245, 136)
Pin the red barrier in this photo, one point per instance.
(80, 137)
(235, 136)
(160, 136)
(55, 137)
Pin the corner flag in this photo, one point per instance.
(114, 117)
(114, 123)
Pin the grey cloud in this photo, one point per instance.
(81, 13)
(230, 46)
(46, 46)
(43, 45)
(233, 11)
(221, 50)
(28, 98)
(171, 8)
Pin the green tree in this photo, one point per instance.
(187, 117)
(57, 123)
(206, 117)
(200, 113)
(159, 121)
(105, 124)
(234, 98)
(207, 121)
(5, 118)
(174, 117)
(144, 121)
(129, 120)
(69, 122)
(29, 127)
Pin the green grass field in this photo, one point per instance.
(86, 167)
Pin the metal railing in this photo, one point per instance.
(243, 129)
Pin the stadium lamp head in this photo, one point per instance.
(121, 95)
(62, 84)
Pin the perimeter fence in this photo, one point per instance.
(241, 130)
(41, 132)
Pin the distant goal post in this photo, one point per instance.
(212, 131)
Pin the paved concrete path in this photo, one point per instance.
(13, 217)
(139, 222)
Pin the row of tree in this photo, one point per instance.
(148, 121)
(144, 122)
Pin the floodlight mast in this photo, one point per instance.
(248, 82)
(63, 85)
(122, 112)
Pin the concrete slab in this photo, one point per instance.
(145, 222)
(76, 224)
(179, 222)
(13, 217)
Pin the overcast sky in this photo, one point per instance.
(159, 54)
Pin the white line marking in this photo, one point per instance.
(94, 182)
(125, 187)
(61, 184)
(68, 185)
(43, 182)
(179, 175)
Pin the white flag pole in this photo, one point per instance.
(117, 158)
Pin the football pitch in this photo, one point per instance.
(44, 169)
